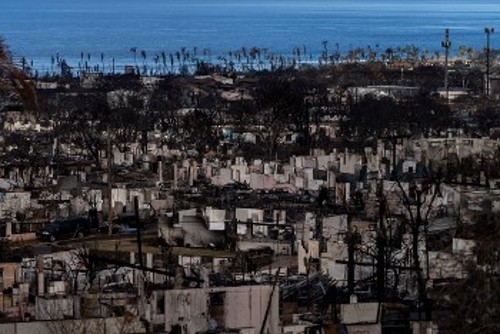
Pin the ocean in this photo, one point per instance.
(96, 31)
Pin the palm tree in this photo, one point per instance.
(102, 61)
(337, 52)
(157, 62)
(178, 57)
(52, 62)
(134, 52)
(437, 55)
(389, 55)
(461, 51)
(171, 56)
(325, 50)
(164, 61)
(13, 79)
(144, 56)
(80, 64)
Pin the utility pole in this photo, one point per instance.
(446, 44)
(138, 225)
(488, 31)
(110, 184)
(351, 248)
(381, 248)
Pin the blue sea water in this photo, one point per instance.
(39, 29)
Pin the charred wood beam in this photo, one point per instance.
(101, 259)
(370, 264)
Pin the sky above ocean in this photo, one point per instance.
(39, 29)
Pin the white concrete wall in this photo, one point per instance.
(119, 195)
(187, 308)
(304, 254)
(262, 181)
(244, 307)
(243, 214)
(359, 313)
(186, 213)
(216, 219)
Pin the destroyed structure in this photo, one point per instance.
(332, 241)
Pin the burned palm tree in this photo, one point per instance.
(144, 63)
(133, 50)
(102, 61)
(14, 81)
(164, 61)
(325, 50)
(156, 59)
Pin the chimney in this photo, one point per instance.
(149, 264)
(208, 171)
(175, 176)
(40, 275)
(132, 257)
(195, 170)
(160, 170)
(191, 175)
(134, 272)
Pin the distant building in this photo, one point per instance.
(393, 91)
